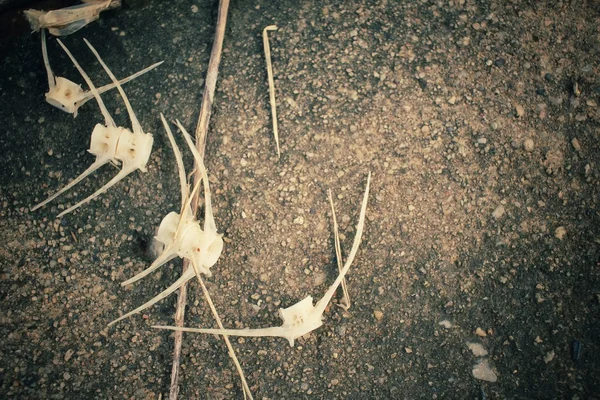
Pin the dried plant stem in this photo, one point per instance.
(271, 83)
(345, 304)
(201, 131)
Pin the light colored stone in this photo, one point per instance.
(498, 212)
(482, 371)
(477, 349)
(480, 332)
(549, 356)
(528, 145)
(560, 232)
(378, 315)
(446, 324)
(519, 110)
(69, 354)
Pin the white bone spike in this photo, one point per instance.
(209, 219)
(117, 178)
(49, 73)
(179, 160)
(187, 276)
(88, 95)
(302, 317)
(100, 161)
(135, 124)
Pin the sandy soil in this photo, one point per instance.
(479, 121)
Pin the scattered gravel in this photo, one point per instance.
(478, 121)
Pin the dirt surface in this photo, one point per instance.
(480, 123)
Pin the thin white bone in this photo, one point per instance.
(100, 161)
(209, 219)
(49, 73)
(69, 96)
(232, 354)
(179, 160)
(135, 124)
(117, 178)
(302, 317)
(184, 278)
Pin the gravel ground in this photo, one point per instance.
(480, 123)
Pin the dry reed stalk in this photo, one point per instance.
(201, 132)
(271, 83)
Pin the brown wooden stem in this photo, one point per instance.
(201, 131)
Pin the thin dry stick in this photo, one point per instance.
(201, 130)
(338, 254)
(271, 83)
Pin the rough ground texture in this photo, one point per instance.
(480, 122)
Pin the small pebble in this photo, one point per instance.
(482, 371)
(576, 144)
(549, 356)
(498, 212)
(446, 324)
(519, 110)
(480, 332)
(69, 354)
(528, 145)
(560, 232)
(378, 315)
(194, 8)
(477, 349)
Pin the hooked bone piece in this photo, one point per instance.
(69, 96)
(109, 143)
(302, 317)
(181, 233)
(68, 20)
